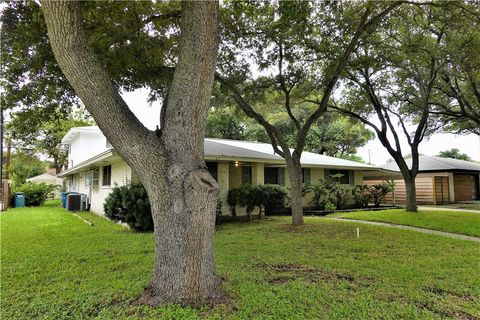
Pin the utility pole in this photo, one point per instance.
(4, 176)
(4, 194)
(1, 147)
(2, 191)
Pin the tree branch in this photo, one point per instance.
(272, 132)
(284, 88)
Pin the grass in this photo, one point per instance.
(467, 223)
(54, 266)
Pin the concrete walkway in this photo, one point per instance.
(422, 230)
(448, 209)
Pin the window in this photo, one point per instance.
(341, 176)
(212, 167)
(91, 178)
(107, 175)
(306, 175)
(246, 175)
(274, 176)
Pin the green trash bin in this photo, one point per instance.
(19, 200)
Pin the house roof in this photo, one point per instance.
(430, 163)
(100, 159)
(257, 150)
(47, 178)
(73, 132)
(222, 149)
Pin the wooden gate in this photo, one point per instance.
(441, 193)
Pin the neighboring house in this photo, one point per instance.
(48, 179)
(97, 167)
(439, 181)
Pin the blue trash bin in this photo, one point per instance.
(19, 200)
(64, 199)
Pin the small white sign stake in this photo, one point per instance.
(358, 232)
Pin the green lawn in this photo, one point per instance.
(467, 223)
(54, 266)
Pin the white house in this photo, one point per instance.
(95, 167)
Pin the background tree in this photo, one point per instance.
(45, 136)
(455, 154)
(337, 136)
(225, 123)
(333, 134)
(460, 77)
(296, 52)
(24, 165)
(394, 80)
(169, 162)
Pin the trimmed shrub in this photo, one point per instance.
(35, 193)
(218, 211)
(330, 192)
(361, 195)
(232, 200)
(274, 197)
(130, 204)
(330, 206)
(379, 191)
(267, 198)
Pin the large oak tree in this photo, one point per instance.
(169, 162)
(295, 52)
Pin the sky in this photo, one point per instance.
(149, 115)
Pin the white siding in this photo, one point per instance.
(84, 146)
(121, 175)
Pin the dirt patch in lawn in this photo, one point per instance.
(456, 314)
(285, 272)
(449, 293)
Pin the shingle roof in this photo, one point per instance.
(249, 149)
(430, 163)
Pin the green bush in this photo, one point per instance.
(130, 204)
(218, 211)
(379, 191)
(329, 192)
(274, 197)
(266, 197)
(330, 206)
(232, 200)
(361, 195)
(35, 193)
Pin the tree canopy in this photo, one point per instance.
(332, 135)
(396, 78)
(455, 154)
(24, 165)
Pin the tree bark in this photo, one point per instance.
(295, 176)
(169, 163)
(411, 195)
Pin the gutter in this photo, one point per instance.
(86, 163)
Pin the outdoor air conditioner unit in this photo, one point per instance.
(74, 201)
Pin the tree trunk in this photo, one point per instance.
(411, 194)
(169, 163)
(295, 175)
